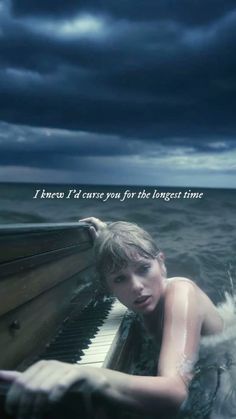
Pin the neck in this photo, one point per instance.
(154, 321)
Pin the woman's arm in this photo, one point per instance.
(183, 319)
(49, 380)
(96, 225)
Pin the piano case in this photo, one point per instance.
(47, 282)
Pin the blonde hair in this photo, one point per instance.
(119, 244)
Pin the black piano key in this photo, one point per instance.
(69, 349)
(73, 334)
(69, 344)
(71, 359)
(77, 332)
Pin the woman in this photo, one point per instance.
(175, 311)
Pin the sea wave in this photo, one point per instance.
(212, 392)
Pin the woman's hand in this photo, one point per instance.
(96, 225)
(46, 382)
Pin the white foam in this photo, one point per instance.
(227, 310)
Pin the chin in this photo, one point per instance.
(150, 308)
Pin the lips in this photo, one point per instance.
(141, 300)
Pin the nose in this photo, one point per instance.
(136, 284)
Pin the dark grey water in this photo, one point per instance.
(197, 234)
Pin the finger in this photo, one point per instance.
(64, 383)
(37, 372)
(9, 375)
(23, 384)
(39, 406)
(43, 375)
(93, 232)
(12, 398)
(86, 392)
(33, 370)
(17, 401)
(24, 406)
(30, 393)
(29, 396)
(93, 220)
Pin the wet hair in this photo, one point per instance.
(119, 244)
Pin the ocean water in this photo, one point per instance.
(197, 234)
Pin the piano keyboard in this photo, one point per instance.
(97, 354)
(88, 337)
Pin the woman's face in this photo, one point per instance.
(140, 285)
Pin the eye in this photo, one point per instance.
(118, 279)
(142, 269)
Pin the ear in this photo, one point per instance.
(161, 257)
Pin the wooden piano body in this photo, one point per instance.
(46, 275)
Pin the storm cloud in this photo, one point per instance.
(151, 81)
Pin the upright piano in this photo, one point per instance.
(51, 308)
(50, 305)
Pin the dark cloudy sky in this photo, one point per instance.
(118, 91)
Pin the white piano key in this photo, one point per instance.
(99, 349)
(101, 339)
(97, 364)
(100, 344)
(93, 358)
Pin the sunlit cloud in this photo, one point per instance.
(4, 7)
(106, 90)
(81, 26)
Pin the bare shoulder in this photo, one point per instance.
(179, 290)
(180, 282)
(183, 297)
